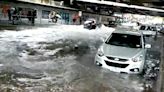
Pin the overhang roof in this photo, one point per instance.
(122, 5)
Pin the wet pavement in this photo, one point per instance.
(67, 64)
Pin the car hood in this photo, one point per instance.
(118, 51)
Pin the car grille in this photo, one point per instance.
(117, 59)
(116, 64)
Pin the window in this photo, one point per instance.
(45, 14)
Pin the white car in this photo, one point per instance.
(148, 30)
(123, 52)
(90, 23)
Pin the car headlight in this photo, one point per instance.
(137, 59)
(100, 52)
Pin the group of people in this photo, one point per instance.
(54, 16)
(15, 14)
(12, 11)
(31, 16)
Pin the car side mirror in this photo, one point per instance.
(148, 46)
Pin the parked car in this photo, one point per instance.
(123, 52)
(161, 30)
(111, 24)
(90, 24)
(148, 30)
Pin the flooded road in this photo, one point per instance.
(56, 59)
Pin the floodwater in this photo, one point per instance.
(61, 59)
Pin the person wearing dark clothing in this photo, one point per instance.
(75, 17)
(80, 17)
(80, 20)
(9, 14)
(33, 17)
(74, 20)
(29, 15)
(14, 15)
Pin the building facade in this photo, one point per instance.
(42, 7)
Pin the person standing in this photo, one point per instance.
(74, 19)
(33, 17)
(12, 9)
(9, 14)
(29, 15)
(14, 15)
(80, 17)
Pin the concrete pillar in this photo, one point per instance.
(100, 19)
(160, 84)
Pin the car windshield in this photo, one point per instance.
(125, 40)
